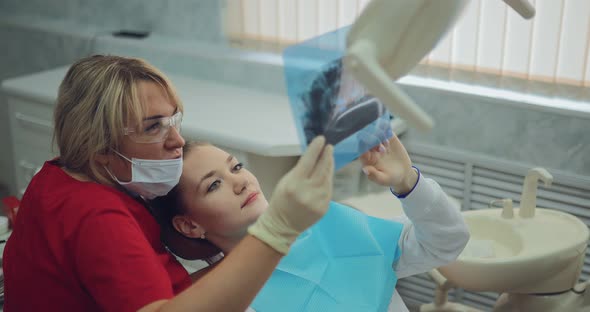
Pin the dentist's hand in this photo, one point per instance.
(389, 164)
(299, 200)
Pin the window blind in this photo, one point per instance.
(490, 42)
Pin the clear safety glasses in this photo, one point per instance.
(154, 130)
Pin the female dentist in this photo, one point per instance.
(84, 239)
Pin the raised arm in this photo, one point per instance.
(434, 231)
(299, 200)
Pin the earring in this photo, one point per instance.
(203, 235)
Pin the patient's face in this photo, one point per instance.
(219, 194)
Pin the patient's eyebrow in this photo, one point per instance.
(205, 177)
(212, 172)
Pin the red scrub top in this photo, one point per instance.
(83, 246)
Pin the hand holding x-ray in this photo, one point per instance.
(389, 164)
(299, 200)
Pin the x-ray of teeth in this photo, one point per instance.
(327, 100)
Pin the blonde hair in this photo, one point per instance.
(97, 98)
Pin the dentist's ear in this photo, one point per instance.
(187, 227)
(102, 159)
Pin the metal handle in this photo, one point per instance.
(33, 122)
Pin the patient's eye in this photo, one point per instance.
(213, 186)
(238, 167)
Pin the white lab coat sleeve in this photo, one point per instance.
(434, 232)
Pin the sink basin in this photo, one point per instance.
(491, 238)
(542, 254)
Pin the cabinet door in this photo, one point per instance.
(31, 130)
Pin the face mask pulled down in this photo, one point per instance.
(151, 178)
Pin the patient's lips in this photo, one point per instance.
(250, 199)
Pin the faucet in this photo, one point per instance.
(507, 212)
(528, 198)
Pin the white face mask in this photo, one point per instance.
(151, 178)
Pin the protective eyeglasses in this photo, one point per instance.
(154, 130)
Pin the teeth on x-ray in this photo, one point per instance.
(353, 119)
(334, 118)
(326, 99)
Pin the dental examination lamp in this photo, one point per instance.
(391, 36)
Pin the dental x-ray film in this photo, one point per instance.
(327, 100)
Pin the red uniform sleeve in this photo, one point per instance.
(116, 264)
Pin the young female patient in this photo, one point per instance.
(217, 199)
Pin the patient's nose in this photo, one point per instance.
(241, 184)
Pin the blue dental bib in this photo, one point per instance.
(343, 263)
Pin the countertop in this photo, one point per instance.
(223, 114)
(229, 115)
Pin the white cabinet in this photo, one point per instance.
(254, 126)
(31, 124)
(31, 129)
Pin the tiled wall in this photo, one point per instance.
(188, 19)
